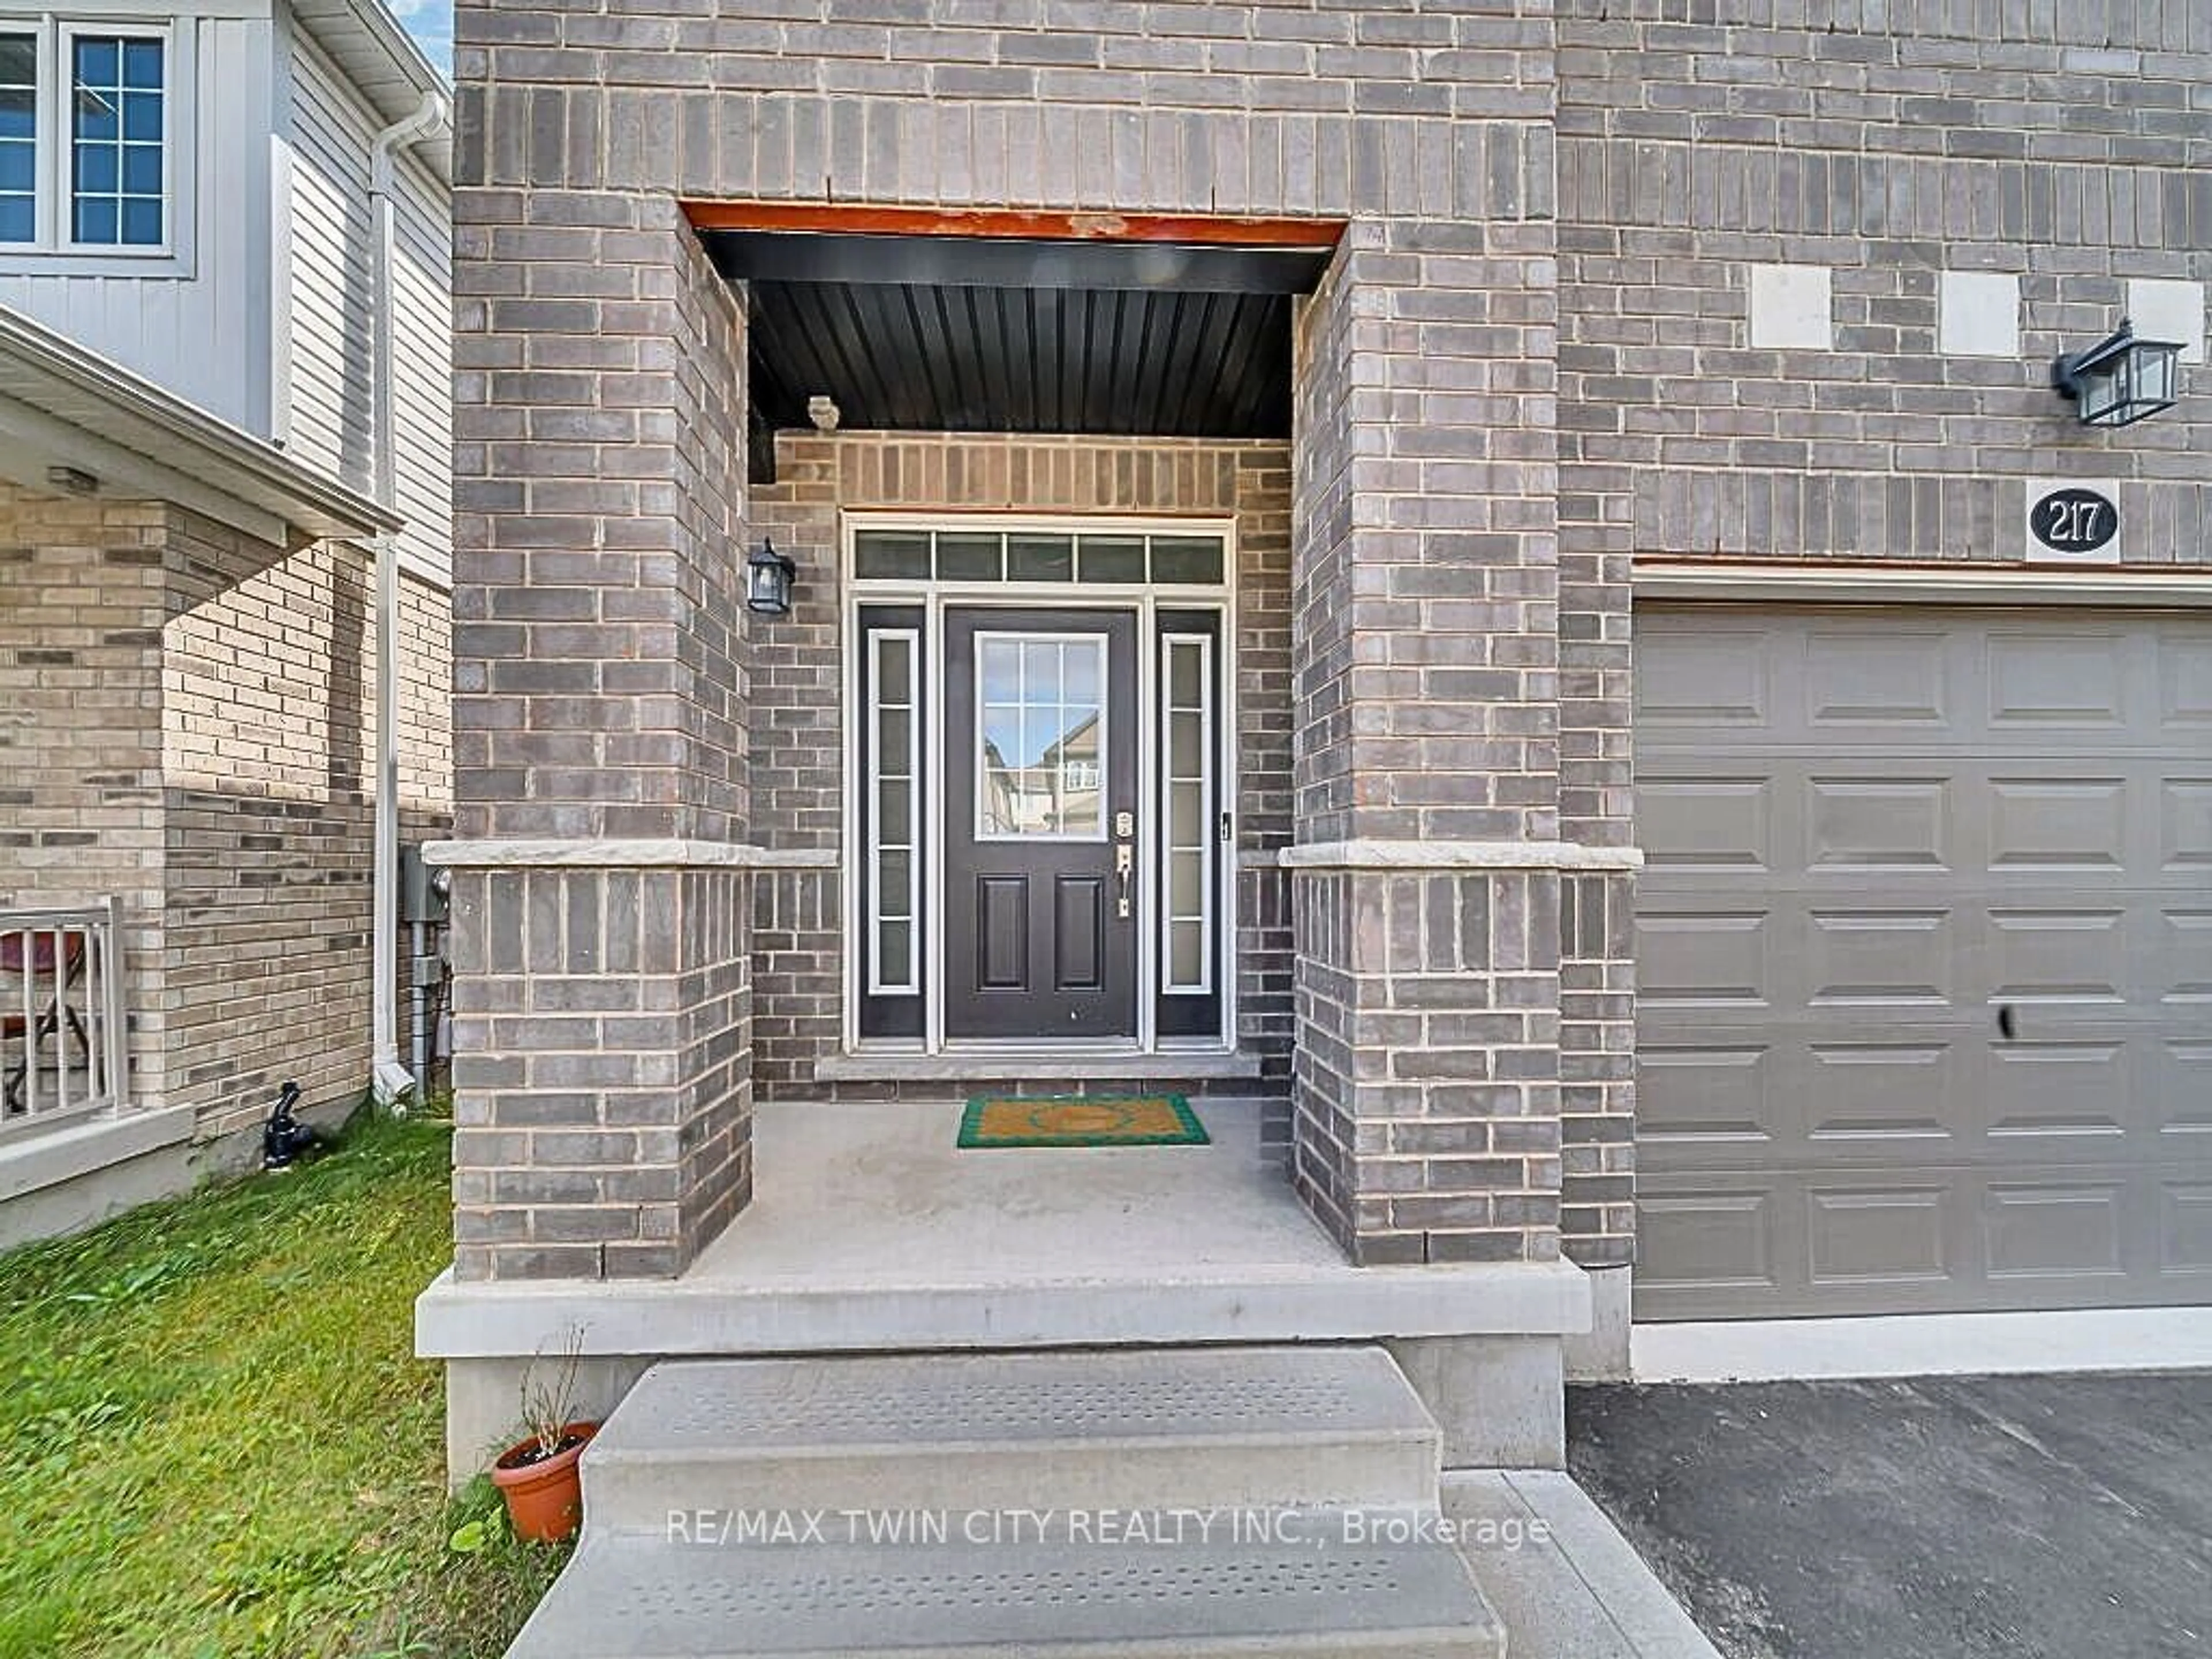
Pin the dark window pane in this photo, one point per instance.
(95, 169)
(968, 557)
(141, 222)
(1187, 559)
(141, 116)
(142, 64)
(142, 169)
(18, 219)
(1041, 558)
(893, 555)
(19, 166)
(95, 115)
(95, 222)
(19, 60)
(19, 113)
(96, 62)
(1112, 559)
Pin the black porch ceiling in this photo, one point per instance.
(921, 333)
(913, 358)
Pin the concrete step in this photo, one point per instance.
(634, 1597)
(1158, 1429)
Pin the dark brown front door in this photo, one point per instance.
(1041, 842)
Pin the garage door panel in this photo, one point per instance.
(1865, 848)
(1700, 1097)
(2057, 824)
(1704, 959)
(1707, 823)
(1886, 959)
(2057, 1091)
(1879, 1234)
(2041, 678)
(2048, 1229)
(2071, 957)
(1851, 682)
(2186, 1231)
(1878, 823)
(2184, 679)
(2186, 824)
(1705, 1238)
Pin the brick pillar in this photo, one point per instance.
(602, 895)
(1426, 1103)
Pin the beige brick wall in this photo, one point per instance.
(187, 719)
(81, 584)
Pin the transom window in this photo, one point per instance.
(87, 137)
(1028, 556)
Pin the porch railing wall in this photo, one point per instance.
(61, 1051)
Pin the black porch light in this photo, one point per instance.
(2119, 380)
(769, 577)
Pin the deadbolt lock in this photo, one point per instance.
(1125, 824)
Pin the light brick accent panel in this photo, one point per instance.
(799, 703)
(197, 713)
(602, 1034)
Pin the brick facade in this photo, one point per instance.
(1530, 363)
(194, 715)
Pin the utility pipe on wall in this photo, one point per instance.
(389, 1078)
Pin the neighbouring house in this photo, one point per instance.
(225, 356)
(1498, 594)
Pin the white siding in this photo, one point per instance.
(327, 407)
(198, 325)
(423, 366)
(329, 334)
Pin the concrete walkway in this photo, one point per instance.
(1949, 1518)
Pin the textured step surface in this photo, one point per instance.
(1134, 1429)
(632, 1597)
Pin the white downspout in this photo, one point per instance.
(390, 1078)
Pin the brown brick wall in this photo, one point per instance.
(798, 704)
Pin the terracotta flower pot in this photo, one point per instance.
(544, 1495)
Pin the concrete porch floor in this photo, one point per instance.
(869, 1232)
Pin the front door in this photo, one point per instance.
(1041, 800)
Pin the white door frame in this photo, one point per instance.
(934, 598)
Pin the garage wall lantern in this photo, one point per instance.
(768, 578)
(2119, 380)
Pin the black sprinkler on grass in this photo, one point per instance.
(284, 1137)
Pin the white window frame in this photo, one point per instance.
(55, 250)
(934, 598)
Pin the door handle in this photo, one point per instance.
(1125, 859)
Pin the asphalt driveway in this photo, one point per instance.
(1950, 1518)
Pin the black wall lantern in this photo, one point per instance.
(769, 577)
(2120, 381)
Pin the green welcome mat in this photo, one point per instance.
(1081, 1121)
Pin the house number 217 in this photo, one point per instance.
(2074, 521)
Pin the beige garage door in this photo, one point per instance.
(1925, 960)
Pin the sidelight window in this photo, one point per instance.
(894, 786)
(1186, 779)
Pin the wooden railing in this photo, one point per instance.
(61, 1051)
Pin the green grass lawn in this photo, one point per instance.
(214, 1439)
